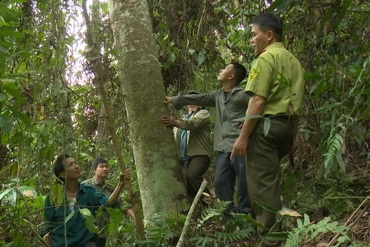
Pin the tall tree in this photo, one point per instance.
(159, 174)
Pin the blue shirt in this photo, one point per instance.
(77, 233)
(184, 139)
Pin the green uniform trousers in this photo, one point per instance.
(263, 167)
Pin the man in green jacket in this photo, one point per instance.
(276, 86)
(231, 104)
(193, 142)
(100, 169)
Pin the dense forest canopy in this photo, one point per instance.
(49, 104)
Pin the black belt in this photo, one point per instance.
(277, 116)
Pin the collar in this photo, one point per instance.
(80, 187)
(272, 46)
(236, 88)
(95, 181)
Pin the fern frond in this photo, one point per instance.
(335, 143)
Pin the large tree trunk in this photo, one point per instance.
(159, 174)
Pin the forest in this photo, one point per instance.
(89, 78)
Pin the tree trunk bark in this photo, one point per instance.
(159, 174)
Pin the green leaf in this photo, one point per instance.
(329, 14)
(248, 218)
(5, 123)
(328, 107)
(266, 126)
(14, 169)
(4, 193)
(115, 214)
(341, 161)
(277, 6)
(266, 207)
(310, 76)
(56, 196)
(306, 220)
(277, 236)
(11, 88)
(3, 50)
(340, 14)
(200, 58)
(20, 116)
(172, 57)
(2, 97)
(3, 22)
(89, 220)
(69, 216)
(191, 51)
(356, 132)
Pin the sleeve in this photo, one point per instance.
(260, 77)
(99, 199)
(208, 99)
(200, 119)
(48, 209)
(48, 217)
(123, 205)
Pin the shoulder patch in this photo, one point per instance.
(253, 73)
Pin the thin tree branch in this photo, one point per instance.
(338, 66)
(100, 81)
(349, 220)
(191, 211)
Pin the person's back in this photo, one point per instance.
(287, 86)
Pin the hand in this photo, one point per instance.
(122, 178)
(127, 175)
(168, 100)
(240, 147)
(240, 125)
(169, 121)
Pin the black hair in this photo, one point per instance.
(58, 165)
(239, 71)
(98, 161)
(268, 21)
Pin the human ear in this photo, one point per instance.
(270, 35)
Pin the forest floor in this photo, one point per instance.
(356, 220)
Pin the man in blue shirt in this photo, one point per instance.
(65, 223)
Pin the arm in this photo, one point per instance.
(115, 194)
(47, 227)
(208, 99)
(256, 107)
(200, 119)
(130, 213)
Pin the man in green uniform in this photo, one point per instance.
(101, 171)
(276, 87)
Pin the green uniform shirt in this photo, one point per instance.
(107, 189)
(77, 233)
(277, 76)
(230, 108)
